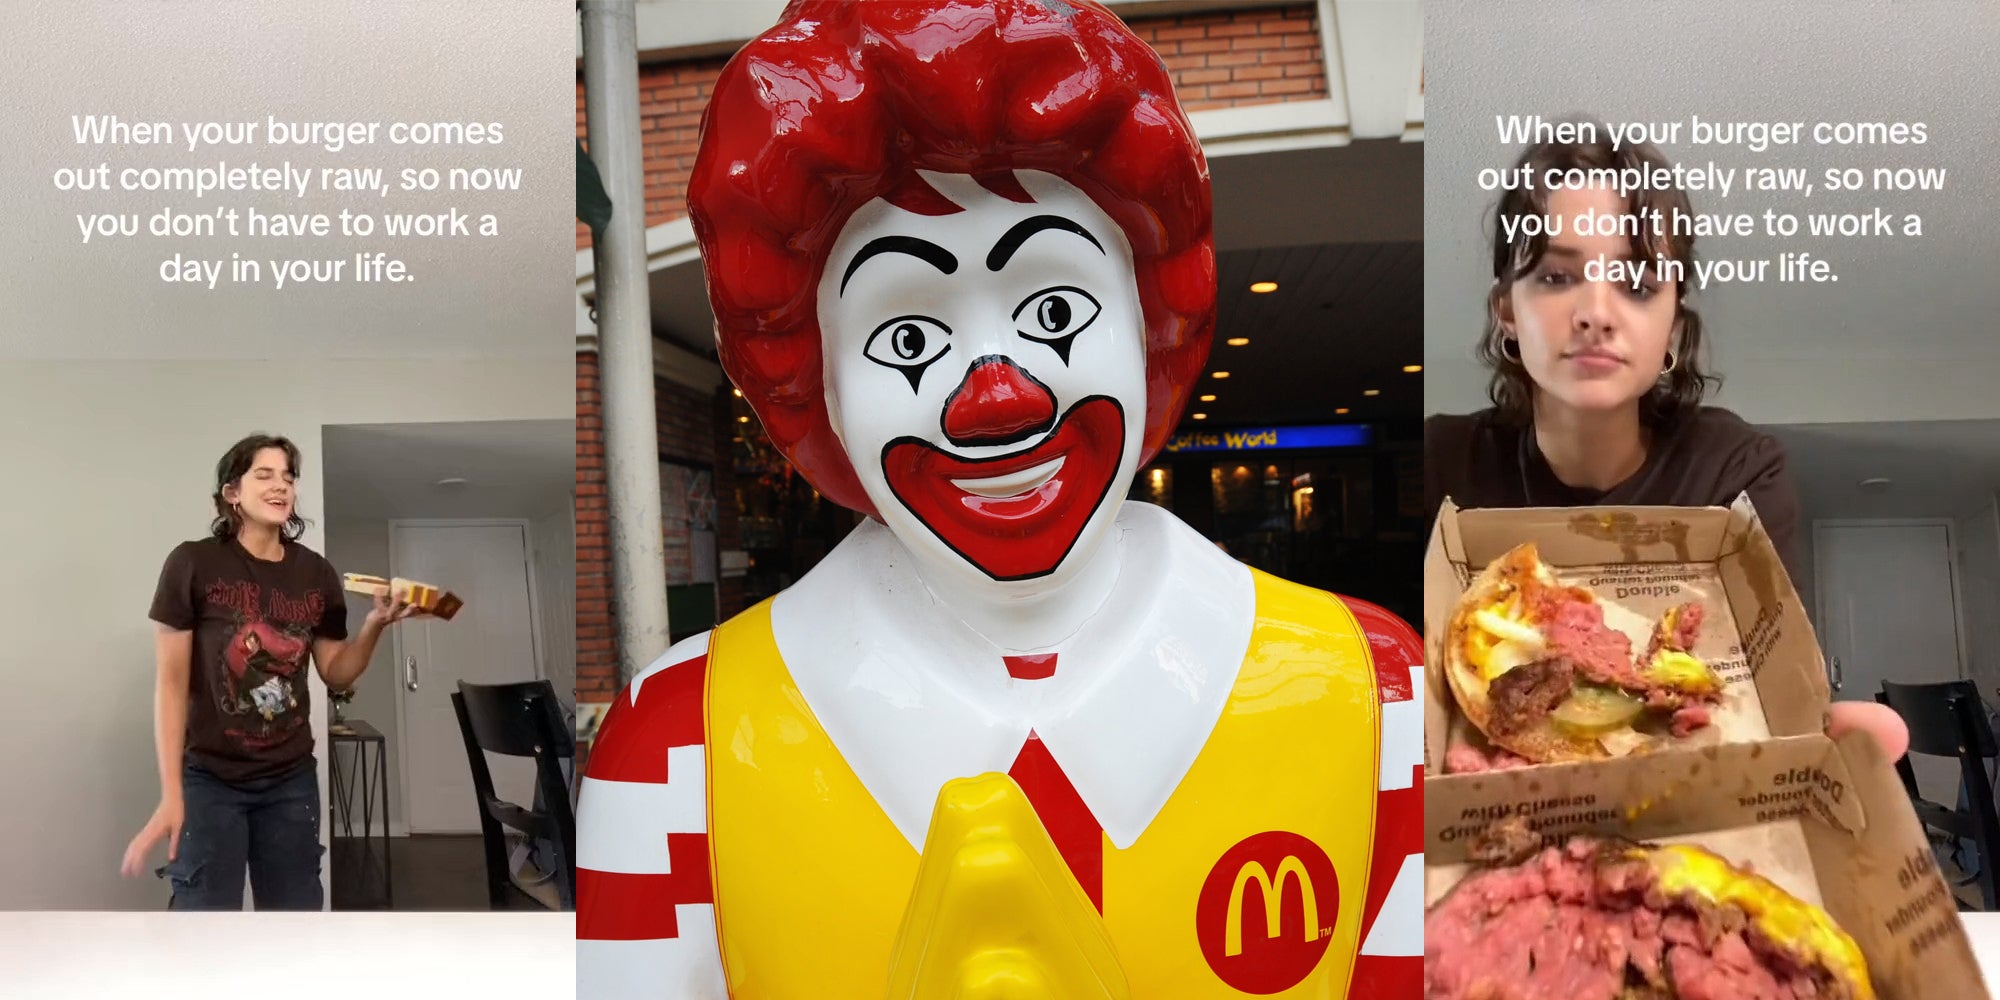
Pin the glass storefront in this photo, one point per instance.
(1343, 519)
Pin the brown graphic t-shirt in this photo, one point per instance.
(254, 622)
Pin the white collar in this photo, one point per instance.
(913, 698)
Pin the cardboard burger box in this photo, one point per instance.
(1829, 821)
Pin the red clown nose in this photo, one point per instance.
(998, 403)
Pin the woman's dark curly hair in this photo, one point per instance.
(1511, 388)
(230, 471)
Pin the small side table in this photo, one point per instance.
(367, 753)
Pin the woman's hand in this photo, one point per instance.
(165, 823)
(1891, 733)
(389, 610)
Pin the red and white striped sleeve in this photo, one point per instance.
(645, 913)
(1391, 963)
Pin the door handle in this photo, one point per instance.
(1833, 678)
(410, 672)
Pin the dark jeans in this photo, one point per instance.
(269, 826)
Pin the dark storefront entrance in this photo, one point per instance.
(1342, 511)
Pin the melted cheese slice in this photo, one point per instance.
(1784, 918)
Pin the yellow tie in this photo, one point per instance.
(996, 914)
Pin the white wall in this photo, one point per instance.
(553, 540)
(1978, 535)
(108, 466)
(1808, 558)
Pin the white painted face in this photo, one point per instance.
(986, 373)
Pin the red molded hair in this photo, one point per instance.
(841, 103)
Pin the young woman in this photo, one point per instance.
(237, 613)
(1597, 382)
(1598, 379)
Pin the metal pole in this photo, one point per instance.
(625, 335)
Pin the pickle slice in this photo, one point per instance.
(1593, 709)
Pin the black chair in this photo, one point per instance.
(520, 720)
(1948, 720)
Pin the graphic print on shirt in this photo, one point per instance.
(262, 663)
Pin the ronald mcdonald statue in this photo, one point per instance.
(1015, 736)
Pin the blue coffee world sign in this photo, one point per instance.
(1266, 438)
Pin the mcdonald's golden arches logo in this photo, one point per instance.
(1266, 912)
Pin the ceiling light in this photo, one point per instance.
(1218, 374)
(1371, 392)
(1238, 341)
(1341, 412)
(1264, 287)
(1210, 398)
(742, 420)
(1412, 369)
(1199, 416)
(738, 392)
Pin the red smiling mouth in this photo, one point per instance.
(1022, 535)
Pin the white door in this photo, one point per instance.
(1889, 611)
(490, 641)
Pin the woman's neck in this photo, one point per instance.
(261, 540)
(1592, 451)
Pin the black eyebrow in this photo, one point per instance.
(1013, 238)
(923, 250)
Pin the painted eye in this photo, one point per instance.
(909, 344)
(1054, 316)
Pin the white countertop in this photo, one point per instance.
(348, 955)
(308, 956)
(1984, 930)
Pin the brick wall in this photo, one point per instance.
(1232, 58)
(596, 643)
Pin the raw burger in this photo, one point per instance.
(1585, 922)
(1602, 654)
(1468, 759)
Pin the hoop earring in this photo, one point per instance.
(1673, 362)
(1510, 349)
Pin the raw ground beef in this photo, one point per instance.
(1689, 718)
(1583, 922)
(1601, 653)
(1687, 628)
(1468, 759)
